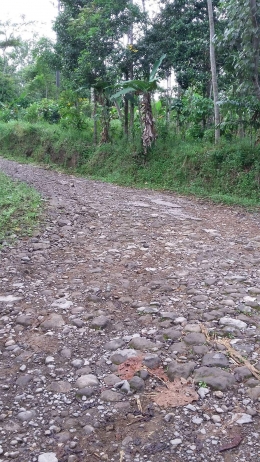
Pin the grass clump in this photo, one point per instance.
(19, 208)
(228, 172)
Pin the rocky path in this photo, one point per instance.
(119, 295)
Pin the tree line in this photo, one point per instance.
(104, 71)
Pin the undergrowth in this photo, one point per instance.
(19, 209)
(228, 172)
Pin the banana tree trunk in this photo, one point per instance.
(149, 132)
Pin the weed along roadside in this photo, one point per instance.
(20, 208)
(227, 173)
(129, 327)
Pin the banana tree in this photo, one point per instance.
(144, 88)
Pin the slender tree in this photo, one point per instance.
(214, 71)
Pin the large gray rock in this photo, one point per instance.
(111, 396)
(88, 380)
(142, 343)
(172, 333)
(236, 323)
(59, 387)
(24, 320)
(214, 377)
(121, 356)
(242, 373)
(195, 339)
(114, 344)
(100, 322)
(137, 384)
(26, 415)
(215, 360)
(254, 393)
(152, 361)
(176, 369)
(54, 321)
(48, 457)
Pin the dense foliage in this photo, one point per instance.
(104, 75)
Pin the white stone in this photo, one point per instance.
(233, 323)
(88, 380)
(242, 418)
(179, 320)
(202, 392)
(197, 420)
(62, 303)
(176, 441)
(9, 298)
(48, 457)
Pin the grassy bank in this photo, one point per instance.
(19, 209)
(229, 172)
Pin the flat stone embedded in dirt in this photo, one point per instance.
(172, 333)
(121, 356)
(24, 416)
(179, 347)
(214, 377)
(194, 339)
(23, 380)
(100, 322)
(242, 373)
(236, 323)
(24, 320)
(192, 328)
(48, 457)
(142, 343)
(111, 396)
(242, 418)
(215, 360)
(89, 380)
(114, 344)
(111, 380)
(86, 391)
(62, 303)
(151, 361)
(60, 386)
(176, 369)
(53, 321)
(137, 384)
(9, 298)
(254, 393)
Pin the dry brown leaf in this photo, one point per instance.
(178, 393)
(158, 373)
(139, 405)
(234, 354)
(128, 368)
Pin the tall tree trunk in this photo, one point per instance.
(149, 132)
(126, 111)
(255, 45)
(214, 70)
(131, 75)
(95, 117)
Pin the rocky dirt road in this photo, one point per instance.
(118, 294)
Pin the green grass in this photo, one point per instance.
(228, 173)
(19, 209)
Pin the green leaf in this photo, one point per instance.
(122, 92)
(156, 67)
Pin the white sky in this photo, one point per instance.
(42, 11)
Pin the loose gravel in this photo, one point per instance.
(114, 274)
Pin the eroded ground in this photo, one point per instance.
(116, 273)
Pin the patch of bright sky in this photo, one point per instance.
(42, 12)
